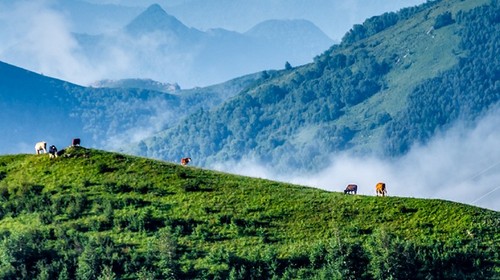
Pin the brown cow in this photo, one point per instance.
(351, 188)
(380, 189)
(185, 161)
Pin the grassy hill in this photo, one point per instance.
(93, 214)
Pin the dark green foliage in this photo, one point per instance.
(377, 24)
(443, 19)
(392, 258)
(103, 168)
(191, 186)
(342, 259)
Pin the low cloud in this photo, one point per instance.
(143, 127)
(38, 38)
(461, 165)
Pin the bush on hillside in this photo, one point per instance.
(443, 20)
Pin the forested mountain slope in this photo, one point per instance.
(91, 214)
(36, 108)
(394, 81)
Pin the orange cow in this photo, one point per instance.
(380, 189)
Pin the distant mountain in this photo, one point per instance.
(155, 19)
(158, 46)
(301, 33)
(297, 40)
(394, 81)
(37, 108)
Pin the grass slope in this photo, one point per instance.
(131, 201)
(421, 53)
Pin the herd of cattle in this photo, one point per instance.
(53, 152)
(380, 189)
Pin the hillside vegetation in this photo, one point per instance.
(395, 81)
(92, 214)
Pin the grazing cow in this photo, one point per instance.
(60, 152)
(53, 151)
(185, 161)
(41, 146)
(380, 189)
(351, 189)
(75, 142)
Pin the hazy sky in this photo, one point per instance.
(334, 17)
(39, 35)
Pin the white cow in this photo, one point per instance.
(41, 146)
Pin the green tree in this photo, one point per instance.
(346, 259)
(391, 257)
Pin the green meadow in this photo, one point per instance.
(92, 214)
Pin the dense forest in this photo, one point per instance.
(369, 94)
(465, 92)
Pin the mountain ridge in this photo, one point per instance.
(161, 40)
(155, 18)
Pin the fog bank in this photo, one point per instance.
(461, 165)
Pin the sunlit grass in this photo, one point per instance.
(131, 199)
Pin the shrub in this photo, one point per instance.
(104, 168)
(191, 186)
(443, 20)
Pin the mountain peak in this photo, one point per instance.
(155, 8)
(155, 18)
